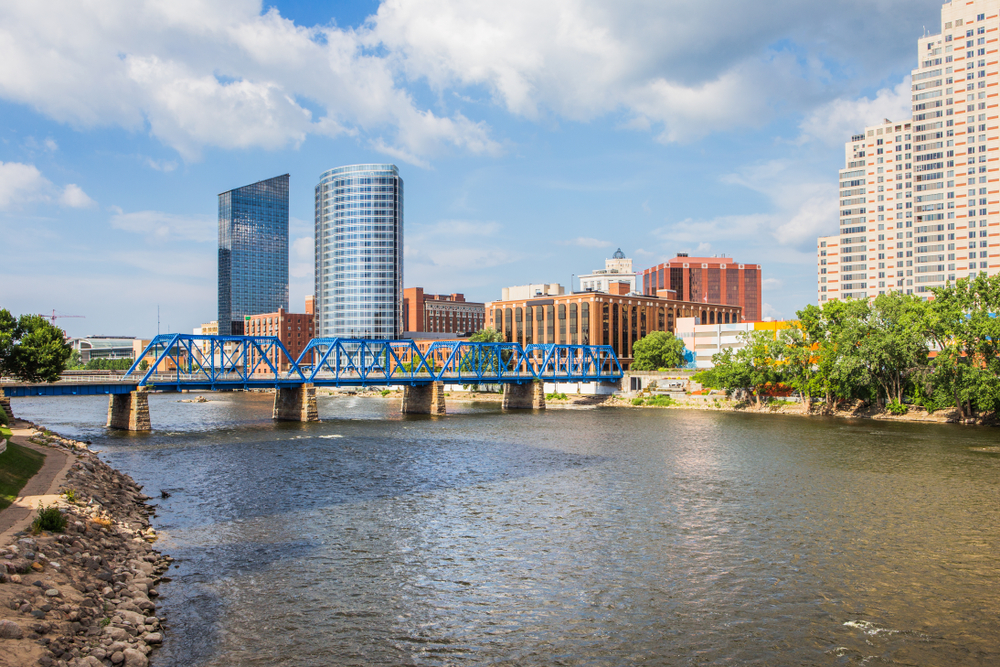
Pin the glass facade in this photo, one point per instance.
(359, 252)
(253, 252)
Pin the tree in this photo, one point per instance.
(658, 349)
(31, 348)
(752, 367)
(966, 330)
(487, 335)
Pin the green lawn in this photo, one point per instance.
(17, 465)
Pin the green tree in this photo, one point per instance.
(658, 349)
(965, 327)
(31, 348)
(752, 367)
(487, 335)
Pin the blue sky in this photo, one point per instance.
(533, 138)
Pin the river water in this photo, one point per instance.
(565, 537)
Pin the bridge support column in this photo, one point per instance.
(5, 406)
(527, 396)
(296, 404)
(424, 399)
(129, 412)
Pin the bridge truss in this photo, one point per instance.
(185, 361)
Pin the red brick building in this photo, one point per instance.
(294, 330)
(441, 313)
(715, 280)
(617, 318)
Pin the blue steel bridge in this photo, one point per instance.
(178, 362)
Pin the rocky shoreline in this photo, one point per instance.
(83, 597)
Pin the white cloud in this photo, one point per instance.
(159, 226)
(23, 183)
(586, 242)
(835, 122)
(221, 73)
(301, 260)
(51, 144)
(20, 183)
(73, 196)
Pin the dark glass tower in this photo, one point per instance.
(253, 252)
(359, 252)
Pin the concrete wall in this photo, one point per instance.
(424, 399)
(129, 412)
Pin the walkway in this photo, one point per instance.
(43, 487)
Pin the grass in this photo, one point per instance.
(17, 465)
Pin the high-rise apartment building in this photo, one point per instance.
(918, 198)
(359, 252)
(717, 280)
(253, 252)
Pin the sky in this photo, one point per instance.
(534, 139)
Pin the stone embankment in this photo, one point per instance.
(83, 597)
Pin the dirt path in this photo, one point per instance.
(43, 487)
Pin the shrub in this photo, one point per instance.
(386, 392)
(3, 417)
(660, 401)
(896, 408)
(638, 400)
(49, 518)
(556, 397)
(70, 495)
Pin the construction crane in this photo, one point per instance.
(53, 316)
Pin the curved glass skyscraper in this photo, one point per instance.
(359, 252)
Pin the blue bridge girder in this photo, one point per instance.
(188, 361)
(208, 363)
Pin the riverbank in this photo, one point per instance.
(81, 597)
(858, 410)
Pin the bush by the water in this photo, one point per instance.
(896, 408)
(658, 401)
(556, 397)
(49, 518)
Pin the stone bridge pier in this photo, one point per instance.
(424, 399)
(296, 404)
(527, 396)
(129, 412)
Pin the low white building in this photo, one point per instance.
(519, 292)
(705, 340)
(618, 269)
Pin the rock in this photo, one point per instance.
(117, 657)
(132, 617)
(135, 658)
(89, 661)
(118, 634)
(10, 630)
(99, 653)
(53, 593)
(153, 638)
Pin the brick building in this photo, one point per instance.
(294, 330)
(441, 313)
(708, 280)
(616, 318)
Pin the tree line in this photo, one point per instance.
(896, 349)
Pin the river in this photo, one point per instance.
(566, 537)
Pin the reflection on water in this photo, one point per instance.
(596, 537)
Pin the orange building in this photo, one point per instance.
(708, 280)
(294, 330)
(616, 318)
(441, 313)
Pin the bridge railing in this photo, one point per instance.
(263, 360)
